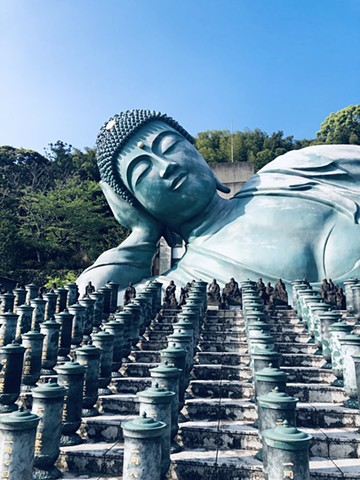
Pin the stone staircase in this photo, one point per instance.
(219, 440)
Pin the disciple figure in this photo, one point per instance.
(129, 293)
(213, 293)
(231, 293)
(291, 219)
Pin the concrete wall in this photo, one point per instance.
(233, 175)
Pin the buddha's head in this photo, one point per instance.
(149, 159)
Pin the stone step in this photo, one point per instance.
(315, 415)
(229, 336)
(149, 356)
(119, 404)
(100, 458)
(240, 465)
(302, 360)
(103, 428)
(242, 347)
(137, 369)
(331, 443)
(131, 385)
(221, 358)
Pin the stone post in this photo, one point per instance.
(177, 356)
(7, 301)
(106, 292)
(78, 313)
(338, 330)
(88, 303)
(348, 284)
(11, 361)
(50, 307)
(326, 320)
(258, 339)
(8, 327)
(61, 300)
(31, 291)
(186, 326)
(114, 288)
(286, 453)
(167, 376)
(89, 356)
(144, 313)
(142, 448)
(38, 313)
(71, 376)
(20, 297)
(147, 299)
(315, 307)
(65, 320)
(105, 342)
(33, 343)
(17, 444)
(50, 329)
(134, 309)
(156, 402)
(48, 401)
(182, 340)
(125, 317)
(356, 359)
(267, 379)
(73, 293)
(351, 345)
(356, 299)
(263, 356)
(98, 309)
(116, 328)
(25, 313)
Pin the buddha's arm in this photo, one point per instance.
(131, 261)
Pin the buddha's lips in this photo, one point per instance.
(178, 181)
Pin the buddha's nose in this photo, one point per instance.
(167, 169)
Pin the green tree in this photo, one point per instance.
(342, 127)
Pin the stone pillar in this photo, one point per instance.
(348, 284)
(134, 309)
(125, 317)
(114, 288)
(313, 321)
(20, 297)
(156, 402)
(269, 378)
(48, 401)
(286, 453)
(25, 313)
(50, 329)
(50, 307)
(182, 340)
(89, 356)
(263, 356)
(258, 339)
(98, 309)
(177, 356)
(61, 299)
(326, 320)
(116, 328)
(33, 343)
(356, 359)
(167, 376)
(8, 327)
(71, 376)
(73, 293)
(88, 303)
(351, 345)
(78, 313)
(337, 331)
(38, 313)
(105, 342)
(145, 313)
(31, 292)
(186, 327)
(142, 448)
(7, 301)
(147, 299)
(17, 445)
(356, 299)
(106, 292)
(11, 361)
(254, 323)
(65, 320)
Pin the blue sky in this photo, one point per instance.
(67, 66)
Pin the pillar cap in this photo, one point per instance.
(103, 335)
(277, 400)
(50, 389)
(64, 314)
(174, 351)
(87, 299)
(340, 327)
(89, 350)
(77, 307)
(269, 374)
(286, 437)
(144, 425)
(351, 339)
(156, 395)
(8, 315)
(33, 334)
(12, 348)
(70, 368)
(165, 370)
(19, 420)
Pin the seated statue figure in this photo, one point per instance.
(231, 294)
(129, 294)
(213, 293)
(297, 217)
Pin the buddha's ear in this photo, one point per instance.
(221, 187)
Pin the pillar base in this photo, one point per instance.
(70, 440)
(90, 412)
(50, 474)
(8, 408)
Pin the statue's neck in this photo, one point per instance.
(213, 218)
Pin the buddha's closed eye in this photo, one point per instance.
(138, 169)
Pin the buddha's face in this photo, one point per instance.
(166, 174)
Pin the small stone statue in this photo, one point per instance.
(213, 293)
(280, 294)
(269, 294)
(170, 290)
(231, 294)
(184, 293)
(89, 289)
(129, 294)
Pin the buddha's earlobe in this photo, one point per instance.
(221, 187)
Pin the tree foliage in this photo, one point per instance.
(54, 215)
(342, 127)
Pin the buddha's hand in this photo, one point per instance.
(144, 227)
